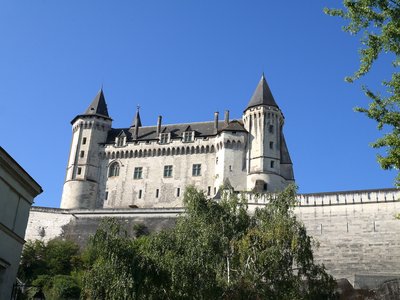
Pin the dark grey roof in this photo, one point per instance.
(148, 133)
(122, 133)
(285, 157)
(234, 125)
(137, 117)
(262, 95)
(98, 106)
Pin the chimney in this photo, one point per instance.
(159, 124)
(226, 121)
(216, 122)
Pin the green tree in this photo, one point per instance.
(114, 267)
(32, 262)
(215, 251)
(58, 287)
(53, 267)
(379, 23)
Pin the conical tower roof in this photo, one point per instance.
(98, 106)
(137, 120)
(262, 95)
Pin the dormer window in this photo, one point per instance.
(188, 136)
(164, 138)
(120, 139)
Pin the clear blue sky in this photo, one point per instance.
(185, 59)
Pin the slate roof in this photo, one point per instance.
(234, 125)
(98, 107)
(262, 95)
(285, 157)
(149, 133)
(137, 117)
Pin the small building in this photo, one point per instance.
(17, 191)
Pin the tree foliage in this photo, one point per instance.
(52, 267)
(379, 22)
(57, 257)
(215, 251)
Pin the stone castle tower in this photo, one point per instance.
(150, 166)
(89, 130)
(269, 166)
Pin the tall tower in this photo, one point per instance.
(82, 179)
(269, 167)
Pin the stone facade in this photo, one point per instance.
(150, 166)
(17, 191)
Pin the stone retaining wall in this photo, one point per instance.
(360, 238)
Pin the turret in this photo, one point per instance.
(269, 167)
(136, 124)
(82, 179)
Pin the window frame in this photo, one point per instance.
(138, 173)
(168, 171)
(188, 136)
(164, 138)
(196, 170)
(113, 169)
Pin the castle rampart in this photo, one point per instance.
(360, 238)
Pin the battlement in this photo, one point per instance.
(333, 198)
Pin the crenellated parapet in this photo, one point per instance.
(349, 197)
(332, 198)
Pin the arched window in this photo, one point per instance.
(113, 169)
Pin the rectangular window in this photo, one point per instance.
(215, 190)
(209, 191)
(138, 172)
(188, 136)
(140, 194)
(271, 145)
(272, 164)
(178, 192)
(167, 171)
(82, 154)
(164, 138)
(196, 170)
(79, 171)
(271, 128)
(157, 193)
(106, 196)
(83, 141)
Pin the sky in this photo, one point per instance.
(184, 60)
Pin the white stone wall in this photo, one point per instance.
(353, 238)
(45, 224)
(123, 191)
(363, 196)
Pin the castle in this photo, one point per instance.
(150, 166)
(138, 175)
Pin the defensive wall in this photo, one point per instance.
(357, 231)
